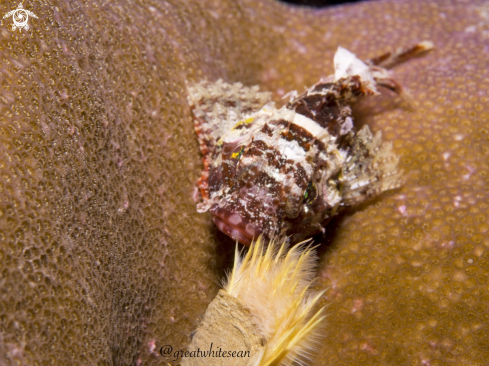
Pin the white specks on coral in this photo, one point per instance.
(471, 171)
(151, 346)
(402, 210)
(449, 244)
(125, 205)
(196, 194)
(357, 305)
(299, 46)
(366, 346)
(64, 94)
(459, 276)
(280, 92)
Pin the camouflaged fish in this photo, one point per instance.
(287, 171)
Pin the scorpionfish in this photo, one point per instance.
(287, 171)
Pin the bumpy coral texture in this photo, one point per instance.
(103, 256)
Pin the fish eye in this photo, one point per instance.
(237, 155)
(310, 194)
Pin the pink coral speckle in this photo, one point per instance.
(196, 194)
(151, 346)
(357, 305)
(471, 171)
(450, 244)
(366, 346)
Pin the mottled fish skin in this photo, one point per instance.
(287, 171)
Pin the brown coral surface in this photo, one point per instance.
(104, 258)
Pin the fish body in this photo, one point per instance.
(287, 171)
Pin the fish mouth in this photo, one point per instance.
(233, 225)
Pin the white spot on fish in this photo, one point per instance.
(234, 219)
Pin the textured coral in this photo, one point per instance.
(104, 258)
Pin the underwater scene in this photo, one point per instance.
(364, 126)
